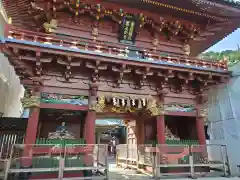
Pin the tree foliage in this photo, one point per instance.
(233, 56)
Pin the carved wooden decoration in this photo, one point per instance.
(49, 10)
(123, 70)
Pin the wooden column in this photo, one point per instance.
(91, 116)
(90, 127)
(200, 116)
(200, 130)
(161, 121)
(32, 127)
(33, 120)
(31, 100)
(161, 129)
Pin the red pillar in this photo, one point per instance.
(91, 115)
(90, 127)
(200, 115)
(89, 132)
(32, 127)
(31, 134)
(161, 129)
(200, 122)
(200, 130)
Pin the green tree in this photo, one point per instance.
(233, 56)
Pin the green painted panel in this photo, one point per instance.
(63, 99)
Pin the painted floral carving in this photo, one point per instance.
(123, 104)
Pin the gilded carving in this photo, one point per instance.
(123, 110)
(51, 26)
(9, 20)
(122, 104)
(100, 104)
(30, 102)
(203, 112)
(154, 108)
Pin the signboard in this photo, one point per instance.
(128, 30)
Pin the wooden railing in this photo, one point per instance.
(114, 49)
(7, 139)
(74, 158)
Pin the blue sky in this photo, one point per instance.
(228, 43)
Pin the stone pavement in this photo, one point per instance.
(116, 173)
(124, 174)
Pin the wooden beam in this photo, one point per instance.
(188, 114)
(13, 56)
(128, 116)
(119, 59)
